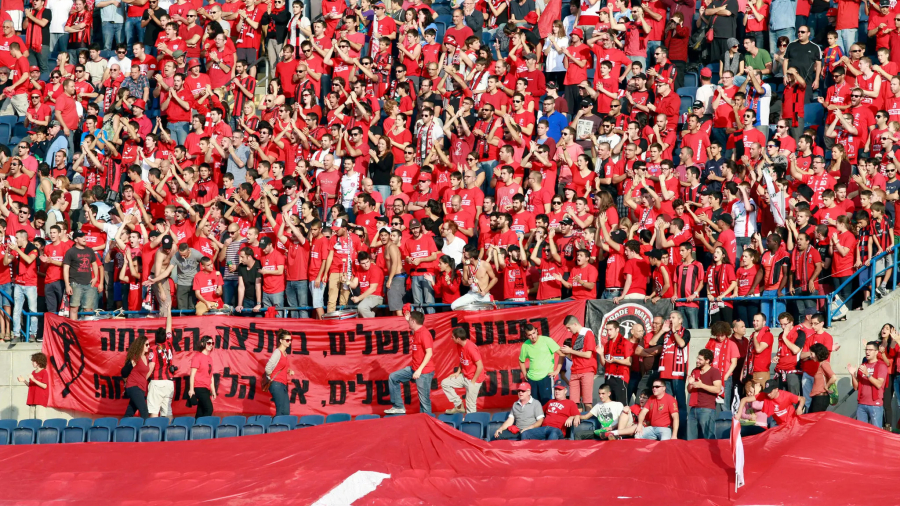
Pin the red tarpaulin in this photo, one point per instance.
(822, 459)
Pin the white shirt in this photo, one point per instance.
(59, 10)
(608, 412)
(124, 64)
(705, 94)
(555, 60)
(454, 249)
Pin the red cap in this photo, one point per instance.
(425, 176)
(524, 386)
(571, 186)
(531, 18)
(450, 40)
(661, 80)
(140, 103)
(34, 68)
(832, 13)
(579, 32)
(193, 63)
(706, 72)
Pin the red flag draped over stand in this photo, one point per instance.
(552, 12)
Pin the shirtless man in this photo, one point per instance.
(480, 278)
(159, 279)
(396, 277)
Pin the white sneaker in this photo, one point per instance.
(395, 411)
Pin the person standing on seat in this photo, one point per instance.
(278, 371)
(136, 371)
(421, 371)
(162, 387)
(201, 391)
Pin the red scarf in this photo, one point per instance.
(34, 34)
(272, 20)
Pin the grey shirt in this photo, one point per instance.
(187, 267)
(239, 173)
(521, 10)
(527, 414)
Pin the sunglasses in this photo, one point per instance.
(658, 386)
(771, 146)
(855, 96)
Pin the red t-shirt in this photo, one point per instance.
(843, 264)
(207, 283)
(661, 410)
(468, 357)
(203, 364)
(373, 275)
(589, 274)
(421, 341)
(619, 348)
(584, 365)
(762, 361)
(272, 283)
(557, 412)
(38, 396)
(640, 273)
(782, 408)
(868, 394)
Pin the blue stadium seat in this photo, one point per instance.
(56, 423)
(452, 420)
(108, 422)
(369, 416)
(74, 435)
(500, 417)
(23, 436)
(5, 133)
(483, 418)
(441, 30)
(212, 421)
(48, 436)
(474, 429)
(227, 430)
(100, 435)
(723, 425)
(252, 429)
(134, 422)
(312, 420)
(691, 79)
(81, 423)
(289, 420)
(31, 423)
(183, 421)
(492, 428)
(236, 420)
(125, 434)
(176, 433)
(9, 426)
(277, 427)
(303, 426)
(689, 91)
(813, 114)
(586, 426)
(19, 130)
(201, 432)
(150, 434)
(337, 417)
(263, 420)
(4, 436)
(686, 103)
(158, 422)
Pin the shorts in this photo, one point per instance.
(83, 296)
(396, 292)
(8, 290)
(581, 388)
(159, 397)
(247, 53)
(882, 263)
(318, 295)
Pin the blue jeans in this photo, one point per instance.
(701, 423)
(179, 130)
(817, 21)
(488, 169)
(423, 292)
(729, 393)
(656, 433)
(59, 42)
(423, 386)
(274, 300)
(112, 34)
(229, 291)
(847, 38)
(297, 293)
(806, 384)
(611, 293)
(872, 415)
(542, 434)
(781, 32)
(766, 307)
(20, 293)
(133, 33)
(691, 316)
(281, 398)
(542, 390)
(675, 388)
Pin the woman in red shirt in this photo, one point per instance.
(722, 283)
(136, 371)
(201, 392)
(749, 277)
(843, 248)
(446, 286)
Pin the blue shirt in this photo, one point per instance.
(61, 142)
(782, 14)
(557, 122)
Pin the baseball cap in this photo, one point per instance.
(732, 42)
(552, 85)
(567, 221)
(384, 229)
(177, 54)
(587, 103)
(770, 386)
(662, 80)
(832, 13)
(523, 386)
(78, 234)
(559, 385)
(35, 94)
(618, 236)
(705, 72)
(265, 242)
(379, 4)
(699, 105)
(425, 176)
(139, 103)
(414, 224)
(193, 63)
(727, 219)
(167, 242)
(34, 68)
(53, 124)
(579, 32)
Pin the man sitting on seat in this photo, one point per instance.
(611, 415)
(560, 414)
(526, 414)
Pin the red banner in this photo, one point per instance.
(340, 366)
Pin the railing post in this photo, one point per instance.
(872, 282)
(705, 313)
(894, 269)
(828, 300)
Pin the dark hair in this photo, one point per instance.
(820, 351)
(707, 354)
(417, 316)
(720, 328)
(460, 334)
(40, 359)
(136, 349)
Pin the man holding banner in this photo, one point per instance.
(421, 371)
(540, 353)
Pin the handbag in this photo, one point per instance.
(709, 33)
(266, 383)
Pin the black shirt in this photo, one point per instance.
(80, 261)
(725, 27)
(250, 275)
(804, 58)
(152, 30)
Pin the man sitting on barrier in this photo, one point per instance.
(480, 278)
(526, 414)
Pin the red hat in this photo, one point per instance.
(193, 63)
(35, 94)
(140, 103)
(706, 72)
(524, 386)
(571, 186)
(450, 40)
(425, 176)
(531, 18)
(662, 80)
(34, 68)
(579, 32)
(832, 13)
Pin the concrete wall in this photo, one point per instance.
(860, 327)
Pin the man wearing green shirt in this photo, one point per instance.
(757, 58)
(540, 353)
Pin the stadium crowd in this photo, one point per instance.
(242, 155)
